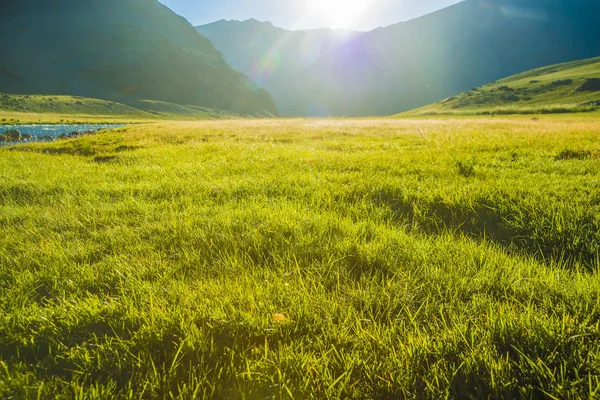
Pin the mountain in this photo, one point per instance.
(118, 50)
(414, 63)
(270, 55)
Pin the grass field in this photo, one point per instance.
(378, 258)
(556, 89)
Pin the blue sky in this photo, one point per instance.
(307, 14)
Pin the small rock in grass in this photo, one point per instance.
(13, 134)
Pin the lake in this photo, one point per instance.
(38, 132)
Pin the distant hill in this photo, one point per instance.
(55, 107)
(561, 88)
(415, 63)
(273, 56)
(118, 50)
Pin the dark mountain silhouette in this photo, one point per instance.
(122, 50)
(415, 63)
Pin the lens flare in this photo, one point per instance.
(263, 68)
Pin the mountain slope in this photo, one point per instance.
(415, 63)
(568, 87)
(270, 55)
(121, 50)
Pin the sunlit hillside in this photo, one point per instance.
(562, 88)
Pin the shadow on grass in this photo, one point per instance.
(74, 147)
(105, 159)
(120, 343)
(20, 193)
(85, 146)
(570, 154)
(563, 236)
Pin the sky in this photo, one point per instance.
(361, 15)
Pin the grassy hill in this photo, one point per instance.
(54, 108)
(308, 259)
(561, 88)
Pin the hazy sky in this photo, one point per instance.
(305, 14)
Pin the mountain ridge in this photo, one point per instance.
(271, 55)
(417, 62)
(125, 50)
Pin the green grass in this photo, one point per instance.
(424, 258)
(548, 90)
(74, 109)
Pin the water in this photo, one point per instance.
(40, 131)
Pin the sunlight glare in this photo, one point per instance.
(339, 13)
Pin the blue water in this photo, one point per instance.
(39, 131)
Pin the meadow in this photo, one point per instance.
(297, 259)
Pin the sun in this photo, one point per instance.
(339, 13)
